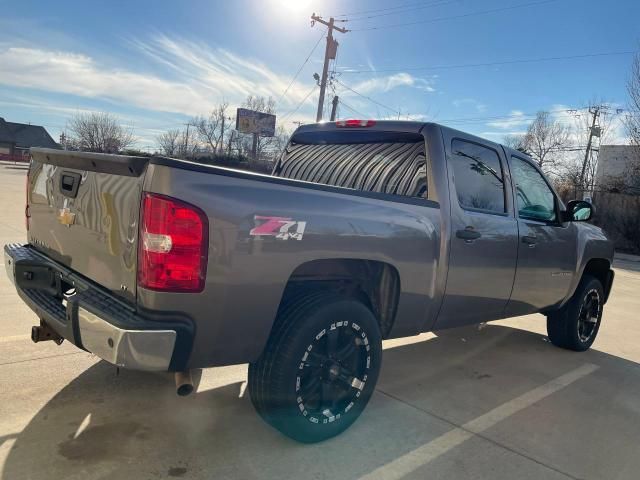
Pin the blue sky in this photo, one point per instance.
(157, 63)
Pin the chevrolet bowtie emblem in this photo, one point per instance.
(65, 217)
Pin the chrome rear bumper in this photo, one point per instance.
(134, 349)
(96, 320)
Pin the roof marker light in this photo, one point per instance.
(351, 123)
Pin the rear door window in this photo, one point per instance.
(478, 178)
(395, 167)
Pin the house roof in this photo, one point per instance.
(25, 135)
(5, 134)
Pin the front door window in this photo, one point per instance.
(534, 198)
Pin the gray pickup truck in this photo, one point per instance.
(364, 231)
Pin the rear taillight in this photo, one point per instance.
(26, 203)
(355, 123)
(173, 245)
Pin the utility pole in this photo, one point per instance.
(222, 135)
(254, 147)
(230, 141)
(221, 141)
(186, 139)
(334, 107)
(595, 111)
(329, 54)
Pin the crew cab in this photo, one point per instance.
(366, 230)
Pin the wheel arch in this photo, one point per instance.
(600, 268)
(375, 283)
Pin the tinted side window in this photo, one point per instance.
(397, 168)
(534, 198)
(478, 177)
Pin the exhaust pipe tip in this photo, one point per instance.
(184, 383)
(184, 390)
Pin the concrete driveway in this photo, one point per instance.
(498, 402)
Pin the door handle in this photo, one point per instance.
(529, 240)
(468, 234)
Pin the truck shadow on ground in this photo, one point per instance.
(132, 425)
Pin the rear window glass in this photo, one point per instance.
(396, 168)
(477, 177)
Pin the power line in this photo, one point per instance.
(299, 105)
(396, 12)
(524, 117)
(517, 117)
(490, 64)
(465, 15)
(348, 107)
(362, 12)
(394, 110)
(300, 69)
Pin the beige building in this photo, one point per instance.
(614, 162)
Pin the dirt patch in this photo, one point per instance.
(101, 442)
(177, 471)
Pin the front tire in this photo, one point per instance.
(576, 325)
(319, 368)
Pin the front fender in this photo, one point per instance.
(592, 243)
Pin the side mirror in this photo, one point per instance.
(578, 211)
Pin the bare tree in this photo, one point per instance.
(213, 129)
(633, 89)
(514, 141)
(187, 144)
(178, 143)
(168, 142)
(566, 176)
(280, 141)
(545, 139)
(99, 132)
(67, 142)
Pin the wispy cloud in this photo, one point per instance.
(384, 84)
(80, 75)
(44, 107)
(196, 76)
(501, 134)
(219, 71)
(177, 76)
(416, 117)
(515, 119)
(469, 102)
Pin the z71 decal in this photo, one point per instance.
(278, 227)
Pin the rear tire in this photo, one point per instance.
(576, 325)
(319, 368)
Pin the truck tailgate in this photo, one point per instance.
(83, 212)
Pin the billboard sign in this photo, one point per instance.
(250, 121)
